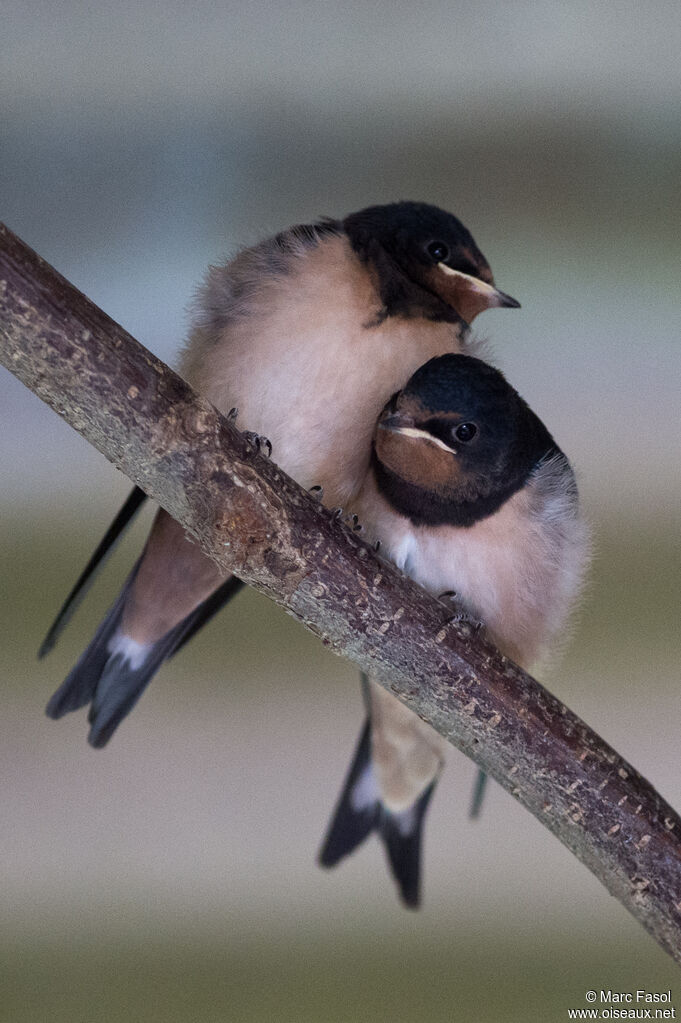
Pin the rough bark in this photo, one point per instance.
(256, 522)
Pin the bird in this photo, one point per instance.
(307, 334)
(470, 495)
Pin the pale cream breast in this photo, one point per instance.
(310, 367)
(518, 570)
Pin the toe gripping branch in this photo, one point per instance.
(261, 444)
(461, 613)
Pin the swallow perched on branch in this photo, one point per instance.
(307, 334)
(468, 492)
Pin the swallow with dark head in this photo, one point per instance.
(468, 493)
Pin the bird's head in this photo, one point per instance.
(425, 260)
(456, 442)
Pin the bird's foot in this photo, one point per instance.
(353, 522)
(462, 615)
(349, 520)
(261, 444)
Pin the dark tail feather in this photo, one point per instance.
(79, 687)
(352, 822)
(478, 795)
(360, 811)
(120, 686)
(209, 608)
(127, 513)
(109, 682)
(402, 837)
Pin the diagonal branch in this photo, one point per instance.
(253, 520)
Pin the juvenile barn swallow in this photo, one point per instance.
(468, 492)
(307, 334)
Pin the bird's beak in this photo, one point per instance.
(396, 422)
(469, 295)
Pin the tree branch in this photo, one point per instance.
(255, 521)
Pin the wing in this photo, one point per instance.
(125, 516)
(173, 590)
(114, 671)
(210, 608)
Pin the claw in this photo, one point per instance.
(261, 444)
(353, 522)
(462, 617)
(377, 546)
(337, 514)
(232, 414)
(318, 491)
(461, 614)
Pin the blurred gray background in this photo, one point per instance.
(172, 876)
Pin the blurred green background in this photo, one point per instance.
(171, 877)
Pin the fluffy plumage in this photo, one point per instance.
(493, 517)
(307, 334)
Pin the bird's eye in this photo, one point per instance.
(438, 252)
(465, 432)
